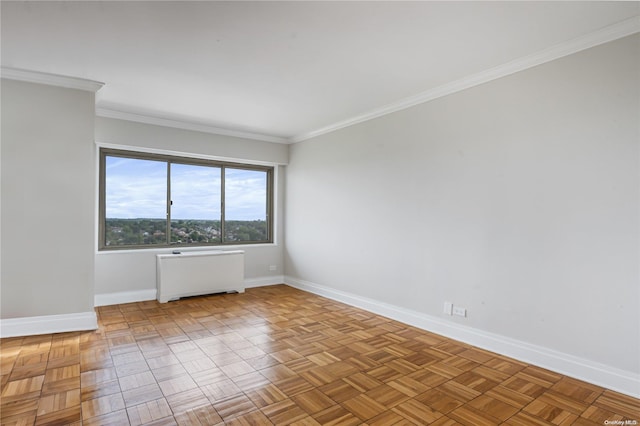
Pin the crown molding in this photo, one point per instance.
(50, 79)
(610, 33)
(185, 125)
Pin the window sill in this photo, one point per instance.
(169, 250)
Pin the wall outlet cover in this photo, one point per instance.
(461, 312)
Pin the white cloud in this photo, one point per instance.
(137, 189)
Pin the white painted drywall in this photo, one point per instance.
(135, 270)
(129, 133)
(517, 199)
(48, 207)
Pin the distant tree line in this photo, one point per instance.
(121, 232)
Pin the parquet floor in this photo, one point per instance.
(277, 355)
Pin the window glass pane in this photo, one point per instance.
(245, 205)
(133, 202)
(195, 209)
(136, 201)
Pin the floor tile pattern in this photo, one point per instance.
(277, 355)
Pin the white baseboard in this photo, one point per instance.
(263, 281)
(589, 371)
(106, 299)
(29, 326)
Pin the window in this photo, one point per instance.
(152, 200)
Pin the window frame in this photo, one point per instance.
(176, 159)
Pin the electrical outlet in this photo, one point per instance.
(273, 268)
(448, 308)
(461, 312)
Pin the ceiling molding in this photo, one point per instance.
(185, 125)
(604, 35)
(50, 79)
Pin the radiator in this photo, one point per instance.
(201, 272)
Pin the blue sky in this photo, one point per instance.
(137, 189)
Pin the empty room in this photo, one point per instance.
(319, 213)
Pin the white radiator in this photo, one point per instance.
(201, 272)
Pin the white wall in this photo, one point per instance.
(134, 271)
(47, 200)
(122, 132)
(517, 199)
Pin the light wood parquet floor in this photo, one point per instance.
(277, 355)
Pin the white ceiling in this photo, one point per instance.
(285, 70)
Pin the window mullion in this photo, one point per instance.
(222, 205)
(169, 202)
(269, 205)
(102, 223)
